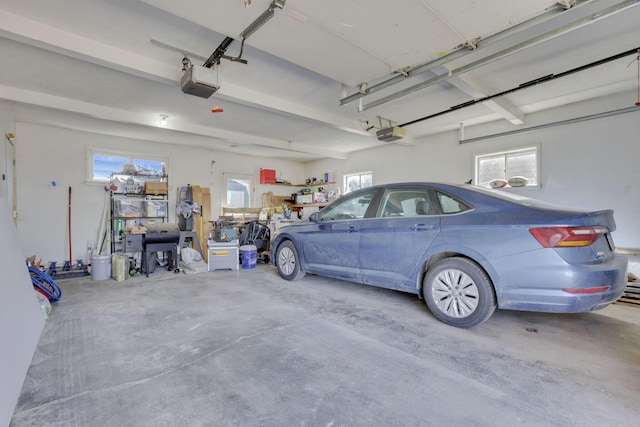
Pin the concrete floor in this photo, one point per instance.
(246, 348)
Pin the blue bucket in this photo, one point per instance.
(248, 254)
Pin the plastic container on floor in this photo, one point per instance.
(249, 255)
(119, 267)
(100, 267)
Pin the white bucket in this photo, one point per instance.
(100, 267)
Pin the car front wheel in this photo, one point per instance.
(459, 292)
(288, 261)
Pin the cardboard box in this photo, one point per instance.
(156, 188)
(267, 176)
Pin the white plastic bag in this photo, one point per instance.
(190, 255)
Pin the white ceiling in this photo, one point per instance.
(107, 66)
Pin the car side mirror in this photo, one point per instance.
(314, 217)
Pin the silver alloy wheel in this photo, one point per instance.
(287, 260)
(455, 293)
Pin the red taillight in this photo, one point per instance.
(563, 237)
(586, 290)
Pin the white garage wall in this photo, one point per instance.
(46, 154)
(7, 125)
(585, 165)
(593, 164)
(21, 319)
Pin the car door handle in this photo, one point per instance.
(421, 227)
(351, 229)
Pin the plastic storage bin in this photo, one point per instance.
(267, 176)
(154, 208)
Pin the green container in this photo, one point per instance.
(118, 224)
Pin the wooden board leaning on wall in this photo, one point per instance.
(201, 224)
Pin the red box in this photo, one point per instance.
(267, 176)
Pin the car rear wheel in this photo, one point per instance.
(459, 292)
(288, 261)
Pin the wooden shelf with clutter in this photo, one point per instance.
(241, 214)
(310, 205)
(306, 198)
(269, 200)
(268, 177)
(316, 184)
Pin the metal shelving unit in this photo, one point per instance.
(134, 203)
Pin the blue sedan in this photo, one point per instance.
(465, 250)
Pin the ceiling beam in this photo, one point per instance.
(38, 34)
(129, 117)
(34, 33)
(474, 87)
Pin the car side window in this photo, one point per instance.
(451, 205)
(406, 202)
(350, 206)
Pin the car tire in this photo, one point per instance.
(459, 292)
(288, 261)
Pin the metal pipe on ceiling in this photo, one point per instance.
(262, 19)
(461, 51)
(245, 34)
(594, 17)
(553, 124)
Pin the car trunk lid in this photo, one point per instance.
(583, 238)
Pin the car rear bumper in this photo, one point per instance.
(533, 288)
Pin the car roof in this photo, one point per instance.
(480, 196)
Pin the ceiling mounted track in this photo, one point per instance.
(526, 85)
(594, 17)
(219, 53)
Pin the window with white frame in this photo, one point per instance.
(521, 166)
(102, 164)
(237, 188)
(357, 180)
